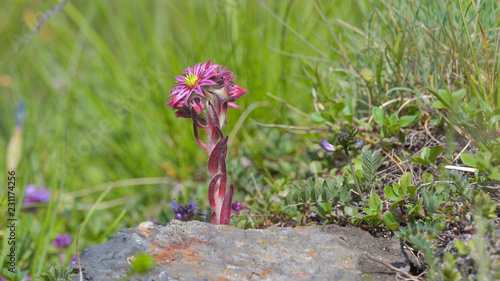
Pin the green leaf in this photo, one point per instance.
(425, 153)
(304, 195)
(469, 160)
(398, 189)
(431, 203)
(438, 105)
(389, 194)
(375, 202)
(241, 223)
(350, 211)
(314, 194)
(427, 178)
(412, 191)
(446, 96)
(419, 160)
(434, 153)
(296, 196)
(390, 221)
(393, 119)
(406, 121)
(458, 96)
(461, 247)
(324, 208)
(372, 216)
(335, 109)
(324, 193)
(378, 115)
(292, 211)
(346, 195)
(317, 118)
(405, 180)
(495, 174)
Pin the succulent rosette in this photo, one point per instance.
(204, 93)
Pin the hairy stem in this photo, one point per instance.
(354, 174)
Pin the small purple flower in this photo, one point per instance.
(330, 147)
(360, 143)
(27, 277)
(184, 212)
(2, 278)
(237, 207)
(32, 194)
(62, 240)
(74, 259)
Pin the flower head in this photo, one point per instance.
(32, 194)
(73, 259)
(197, 84)
(190, 82)
(62, 240)
(237, 206)
(184, 212)
(346, 141)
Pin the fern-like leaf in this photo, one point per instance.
(371, 163)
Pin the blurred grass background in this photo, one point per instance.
(95, 79)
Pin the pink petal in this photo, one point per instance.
(232, 105)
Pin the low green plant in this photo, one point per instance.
(428, 156)
(391, 125)
(57, 273)
(142, 264)
(487, 165)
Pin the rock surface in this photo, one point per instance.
(200, 251)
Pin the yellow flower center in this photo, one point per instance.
(191, 80)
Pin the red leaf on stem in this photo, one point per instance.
(196, 135)
(212, 191)
(213, 159)
(223, 171)
(225, 214)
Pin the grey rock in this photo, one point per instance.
(200, 251)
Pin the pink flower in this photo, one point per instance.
(62, 240)
(33, 194)
(203, 80)
(233, 92)
(191, 81)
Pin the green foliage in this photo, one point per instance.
(371, 163)
(404, 193)
(427, 156)
(142, 263)
(486, 163)
(483, 205)
(391, 125)
(57, 273)
(450, 272)
(321, 191)
(448, 100)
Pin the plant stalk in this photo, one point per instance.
(354, 174)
